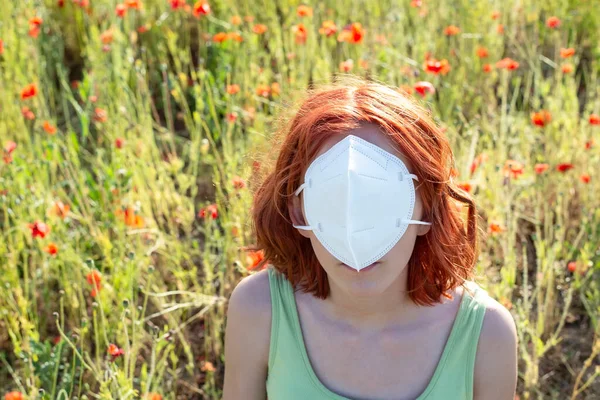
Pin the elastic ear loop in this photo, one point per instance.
(398, 221)
(296, 193)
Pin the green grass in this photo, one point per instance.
(165, 277)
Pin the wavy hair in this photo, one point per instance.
(442, 259)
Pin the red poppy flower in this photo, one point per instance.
(328, 28)
(119, 142)
(235, 36)
(263, 90)
(567, 68)
(566, 53)
(49, 128)
(238, 183)
(585, 178)
(553, 22)
(540, 168)
(482, 52)
(210, 209)
(219, 37)
(300, 32)
(451, 30)
(346, 66)
(93, 277)
(253, 258)
(27, 113)
(36, 21)
(466, 186)
(115, 351)
(477, 161)
(507, 63)
(106, 37)
(100, 115)
(564, 167)
(541, 118)
(1, 46)
(207, 366)
(14, 396)
(487, 67)
(28, 91)
(572, 266)
(121, 10)
(232, 117)
(135, 4)
(259, 29)
(177, 4)
(153, 396)
(39, 229)
(589, 144)
(352, 33)
(34, 26)
(10, 146)
(436, 67)
(495, 15)
(51, 249)
(513, 169)
(130, 217)
(594, 119)
(233, 89)
(201, 8)
(255, 166)
(82, 3)
(424, 87)
(304, 11)
(495, 227)
(59, 209)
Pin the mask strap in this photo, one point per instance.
(401, 176)
(309, 184)
(411, 221)
(305, 227)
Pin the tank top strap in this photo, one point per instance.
(282, 320)
(457, 373)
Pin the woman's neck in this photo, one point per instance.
(392, 306)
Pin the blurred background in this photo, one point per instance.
(133, 132)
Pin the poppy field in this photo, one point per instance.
(133, 133)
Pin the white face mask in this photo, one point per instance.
(358, 200)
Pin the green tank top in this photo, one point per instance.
(290, 374)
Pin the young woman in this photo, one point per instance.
(367, 290)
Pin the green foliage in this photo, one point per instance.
(151, 140)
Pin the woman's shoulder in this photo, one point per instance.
(252, 296)
(249, 320)
(496, 357)
(247, 337)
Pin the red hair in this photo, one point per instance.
(442, 259)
